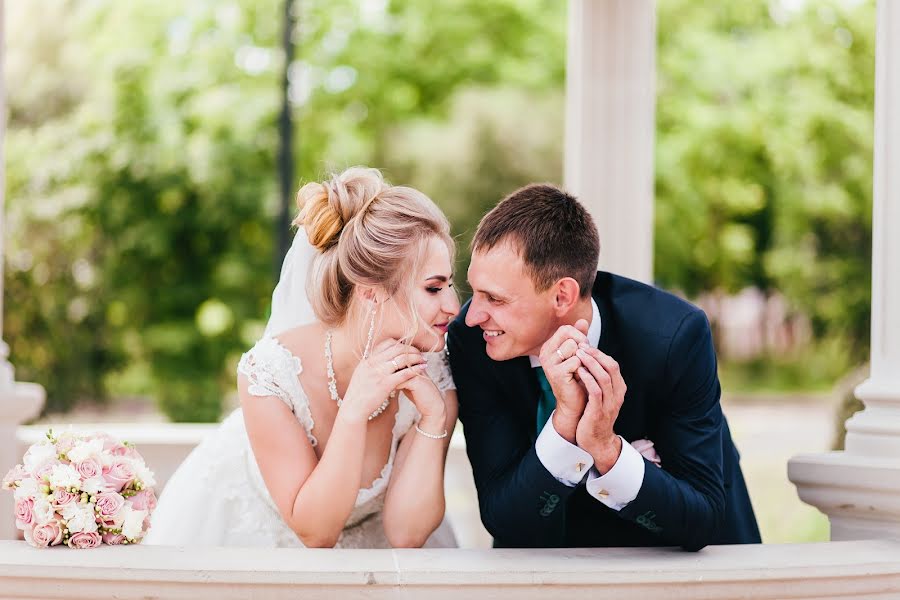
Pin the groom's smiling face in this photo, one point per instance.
(515, 318)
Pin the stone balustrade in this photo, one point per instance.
(863, 569)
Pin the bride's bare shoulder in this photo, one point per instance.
(302, 341)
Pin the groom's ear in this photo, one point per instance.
(566, 296)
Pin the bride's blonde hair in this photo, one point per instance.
(367, 232)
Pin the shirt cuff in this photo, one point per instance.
(566, 462)
(622, 483)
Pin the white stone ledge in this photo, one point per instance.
(863, 569)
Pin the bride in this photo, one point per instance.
(347, 401)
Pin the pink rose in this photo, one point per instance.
(24, 512)
(64, 443)
(144, 500)
(108, 506)
(63, 498)
(38, 456)
(113, 446)
(17, 473)
(120, 450)
(118, 474)
(85, 540)
(112, 539)
(48, 534)
(45, 469)
(88, 468)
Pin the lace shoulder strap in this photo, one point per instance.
(438, 368)
(272, 370)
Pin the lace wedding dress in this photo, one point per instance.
(217, 496)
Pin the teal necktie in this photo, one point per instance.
(547, 401)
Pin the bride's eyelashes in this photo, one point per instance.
(435, 290)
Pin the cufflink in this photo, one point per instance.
(603, 494)
(579, 467)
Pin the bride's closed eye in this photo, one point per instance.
(435, 290)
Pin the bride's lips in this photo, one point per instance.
(443, 327)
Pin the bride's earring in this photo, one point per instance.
(373, 310)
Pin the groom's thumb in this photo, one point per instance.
(582, 326)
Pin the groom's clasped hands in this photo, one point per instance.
(589, 391)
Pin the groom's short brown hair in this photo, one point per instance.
(553, 232)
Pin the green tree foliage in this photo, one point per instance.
(764, 149)
(162, 174)
(157, 172)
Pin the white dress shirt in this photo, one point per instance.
(568, 463)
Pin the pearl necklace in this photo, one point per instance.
(332, 382)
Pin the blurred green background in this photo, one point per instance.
(142, 190)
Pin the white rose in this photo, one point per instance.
(42, 509)
(70, 510)
(27, 488)
(83, 450)
(82, 519)
(144, 474)
(39, 455)
(133, 523)
(94, 485)
(64, 476)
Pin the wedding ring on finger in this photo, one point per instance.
(560, 355)
(396, 366)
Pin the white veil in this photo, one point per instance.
(290, 303)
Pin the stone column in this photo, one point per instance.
(18, 401)
(610, 119)
(859, 488)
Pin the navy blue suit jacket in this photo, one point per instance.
(665, 352)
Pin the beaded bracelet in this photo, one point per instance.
(431, 435)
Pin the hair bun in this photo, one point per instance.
(327, 207)
(322, 223)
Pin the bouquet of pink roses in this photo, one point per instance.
(82, 491)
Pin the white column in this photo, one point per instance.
(859, 489)
(610, 119)
(18, 401)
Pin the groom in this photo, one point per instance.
(542, 356)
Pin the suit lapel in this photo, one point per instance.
(630, 423)
(609, 341)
